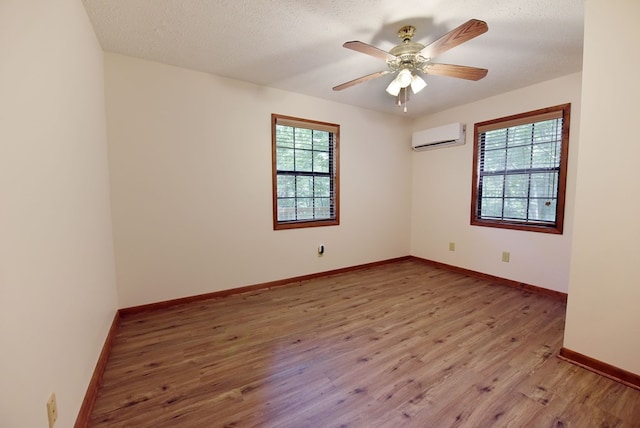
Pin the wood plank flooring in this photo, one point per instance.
(398, 345)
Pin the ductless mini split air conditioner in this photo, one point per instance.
(442, 136)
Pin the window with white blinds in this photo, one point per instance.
(519, 172)
(305, 172)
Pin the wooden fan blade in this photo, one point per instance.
(361, 80)
(369, 50)
(467, 31)
(458, 71)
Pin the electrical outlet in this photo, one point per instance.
(52, 410)
(452, 246)
(506, 256)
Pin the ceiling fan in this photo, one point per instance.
(408, 59)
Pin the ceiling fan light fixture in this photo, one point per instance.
(394, 87)
(404, 77)
(417, 84)
(409, 58)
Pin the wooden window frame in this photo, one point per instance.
(334, 172)
(563, 111)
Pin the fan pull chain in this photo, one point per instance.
(405, 99)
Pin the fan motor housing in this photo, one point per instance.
(407, 56)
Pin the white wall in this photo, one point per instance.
(190, 170)
(57, 290)
(603, 319)
(179, 151)
(442, 196)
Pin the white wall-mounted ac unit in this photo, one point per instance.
(442, 136)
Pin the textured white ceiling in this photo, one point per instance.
(296, 45)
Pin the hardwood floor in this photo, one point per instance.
(404, 344)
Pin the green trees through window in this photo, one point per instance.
(520, 170)
(305, 172)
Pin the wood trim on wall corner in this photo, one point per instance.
(509, 282)
(124, 312)
(626, 378)
(96, 379)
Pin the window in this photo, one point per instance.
(305, 172)
(520, 169)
